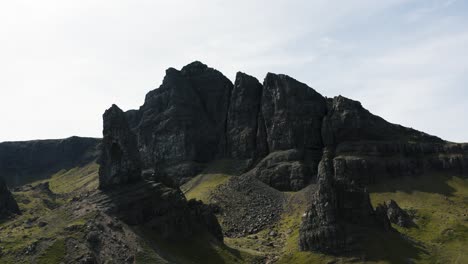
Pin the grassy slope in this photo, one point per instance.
(16, 236)
(440, 204)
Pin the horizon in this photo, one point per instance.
(66, 62)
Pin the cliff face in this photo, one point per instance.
(138, 201)
(289, 136)
(22, 162)
(119, 161)
(279, 128)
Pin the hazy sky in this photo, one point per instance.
(62, 63)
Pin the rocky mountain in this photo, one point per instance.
(27, 161)
(209, 171)
(279, 128)
(142, 202)
(282, 130)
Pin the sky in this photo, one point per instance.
(63, 62)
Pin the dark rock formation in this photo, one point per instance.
(120, 159)
(241, 131)
(279, 129)
(284, 170)
(291, 119)
(162, 208)
(182, 124)
(396, 215)
(336, 207)
(143, 202)
(367, 145)
(28, 161)
(8, 204)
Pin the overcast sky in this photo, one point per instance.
(62, 63)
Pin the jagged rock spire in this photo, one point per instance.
(120, 160)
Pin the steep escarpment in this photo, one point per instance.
(182, 124)
(142, 202)
(279, 128)
(370, 150)
(27, 161)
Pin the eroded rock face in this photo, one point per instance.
(284, 170)
(279, 128)
(242, 121)
(368, 146)
(290, 122)
(8, 204)
(183, 121)
(120, 159)
(144, 202)
(397, 215)
(336, 207)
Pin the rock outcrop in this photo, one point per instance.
(8, 204)
(279, 128)
(182, 124)
(396, 215)
(337, 206)
(143, 202)
(27, 161)
(242, 119)
(367, 146)
(120, 161)
(289, 132)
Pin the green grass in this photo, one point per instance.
(80, 178)
(16, 235)
(440, 204)
(53, 254)
(214, 175)
(202, 185)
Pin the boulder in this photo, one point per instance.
(396, 215)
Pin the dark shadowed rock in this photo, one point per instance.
(8, 204)
(397, 215)
(28, 161)
(290, 120)
(183, 121)
(280, 128)
(242, 126)
(336, 207)
(368, 146)
(120, 160)
(163, 209)
(284, 170)
(144, 202)
(292, 113)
